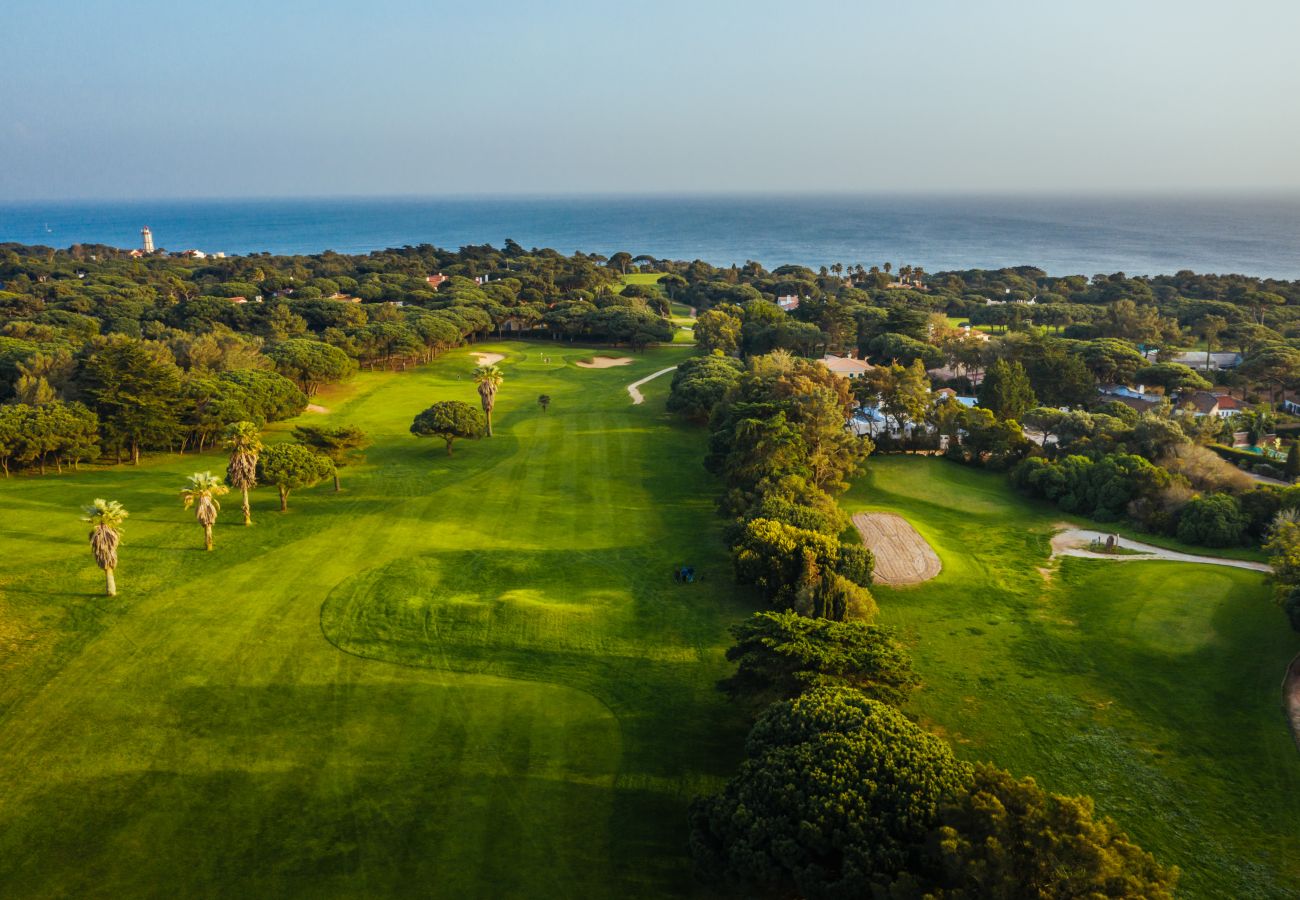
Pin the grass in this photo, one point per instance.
(1152, 686)
(464, 677)
(474, 677)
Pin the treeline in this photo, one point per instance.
(841, 794)
(779, 447)
(102, 354)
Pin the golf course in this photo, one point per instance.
(475, 676)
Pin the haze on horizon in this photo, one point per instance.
(119, 100)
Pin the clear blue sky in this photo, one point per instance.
(290, 97)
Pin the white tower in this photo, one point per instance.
(147, 237)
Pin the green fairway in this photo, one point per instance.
(1152, 686)
(461, 677)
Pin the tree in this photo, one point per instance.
(1007, 839)
(780, 655)
(450, 419)
(544, 401)
(292, 466)
(1214, 520)
(311, 363)
(716, 330)
(488, 379)
(105, 518)
(1292, 468)
(700, 383)
(799, 569)
(135, 390)
(202, 493)
(1005, 390)
(244, 441)
(1210, 327)
(342, 446)
(836, 792)
(1173, 377)
(1273, 363)
(1283, 548)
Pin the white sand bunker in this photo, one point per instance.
(605, 362)
(316, 408)
(902, 555)
(488, 359)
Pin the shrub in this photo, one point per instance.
(1213, 520)
(1292, 607)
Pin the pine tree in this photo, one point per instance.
(1006, 391)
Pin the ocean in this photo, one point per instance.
(1063, 235)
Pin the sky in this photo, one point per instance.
(109, 99)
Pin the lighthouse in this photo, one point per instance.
(146, 236)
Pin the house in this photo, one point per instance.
(1134, 398)
(436, 279)
(846, 366)
(789, 302)
(1206, 403)
(1218, 362)
(949, 394)
(238, 299)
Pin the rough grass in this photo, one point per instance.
(464, 677)
(1152, 686)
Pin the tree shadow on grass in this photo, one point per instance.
(649, 648)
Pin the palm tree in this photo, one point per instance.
(244, 442)
(488, 379)
(202, 494)
(106, 518)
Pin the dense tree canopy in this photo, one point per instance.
(835, 795)
(780, 655)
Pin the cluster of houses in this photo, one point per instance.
(871, 421)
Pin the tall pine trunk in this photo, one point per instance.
(284, 498)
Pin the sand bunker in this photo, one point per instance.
(902, 555)
(488, 359)
(605, 362)
(316, 408)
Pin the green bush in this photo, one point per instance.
(1213, 520)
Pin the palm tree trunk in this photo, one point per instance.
(489, 423)
(111, 582)
(248, 513)
(207, 537)
(284, 498)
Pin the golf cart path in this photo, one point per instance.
(637, 398)
(1074, 542)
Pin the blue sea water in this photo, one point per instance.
(1137, 235)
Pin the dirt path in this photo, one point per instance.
(1073, 541)
(1291, 697)
(635, 394)
(902, 555)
